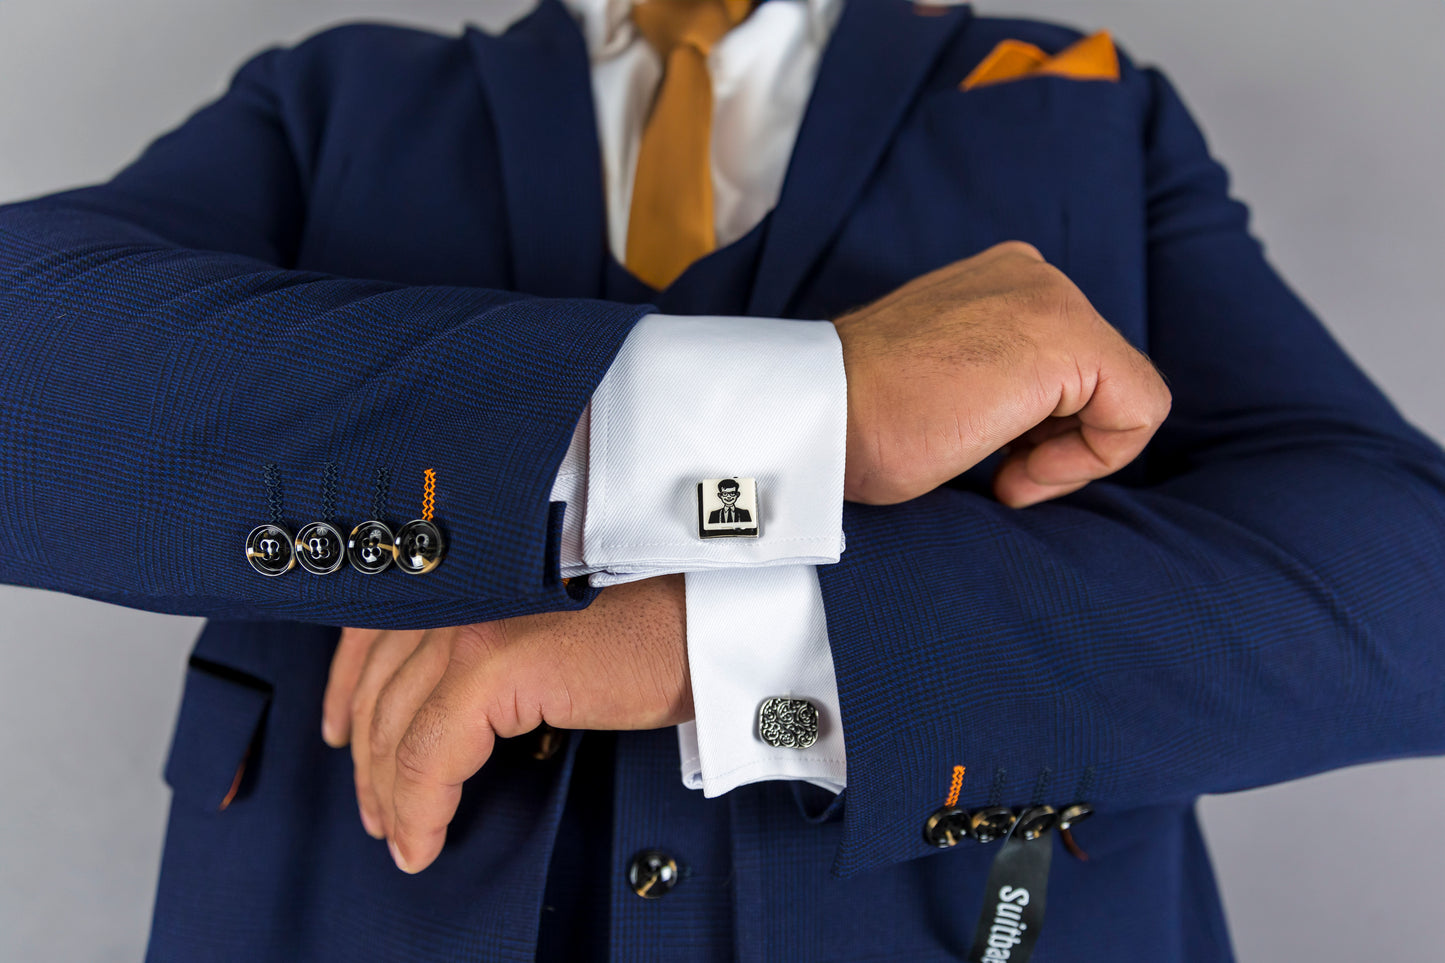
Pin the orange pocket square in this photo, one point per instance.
(1093, 58)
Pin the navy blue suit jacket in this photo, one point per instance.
(385, 248)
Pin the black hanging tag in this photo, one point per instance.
(1013, 900)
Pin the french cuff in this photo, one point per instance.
(753, 636)
(691, 404)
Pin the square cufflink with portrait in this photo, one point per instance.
(728, 508)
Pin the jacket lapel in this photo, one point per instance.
(879, 56)
(538, 84)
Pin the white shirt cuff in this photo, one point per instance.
(695, 398)
(751, 637)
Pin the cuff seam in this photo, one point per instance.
(762, 763)
(821, 539)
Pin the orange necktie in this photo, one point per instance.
(671, 224)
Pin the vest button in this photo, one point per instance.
(652, 874)
(547, 742)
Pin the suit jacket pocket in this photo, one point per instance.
(215, 749)
(1054, 161)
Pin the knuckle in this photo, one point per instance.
(475, 644)
(417, 750)
(359, 703)
(379, 736)
(1019, 248)
(1155, 399)
(411, 764)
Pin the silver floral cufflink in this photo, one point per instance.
(785, 723)
(727, 508)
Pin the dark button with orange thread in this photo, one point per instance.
(947, 827)
(652, 874)
(419, 547)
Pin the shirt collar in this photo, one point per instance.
(607, 24)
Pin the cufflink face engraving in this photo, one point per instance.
(419, 547)
(728, 508)
(785, 723)
(320, 548)
(269, 550)
(371, 547)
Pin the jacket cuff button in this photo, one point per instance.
(371, 547)
(993, 822)
(419, 547)
(1075, 814)
(946, 827)
(320, 548)
(270, 550)
(1036, 821)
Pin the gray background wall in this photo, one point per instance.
(1330, 115)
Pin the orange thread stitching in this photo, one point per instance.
(428, 498)
(235, 781)
(957, 785)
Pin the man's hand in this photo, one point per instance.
(998, 349)
(422, 709)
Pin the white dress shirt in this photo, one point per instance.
(667, 415)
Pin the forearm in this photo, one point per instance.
(1259, 599)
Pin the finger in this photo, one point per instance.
(1065, 462)
(1117, 412)
(449, 739)
(1044, 430)
(1014, 486)
(1129, 403)
(1116, 417)
(386, 654)
(396, 705)
(346, 665)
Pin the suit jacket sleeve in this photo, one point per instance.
(1262, 599)
(157, 353)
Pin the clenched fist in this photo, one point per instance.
(423, 709)
(1000, 349)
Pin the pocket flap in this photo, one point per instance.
(222, 710)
